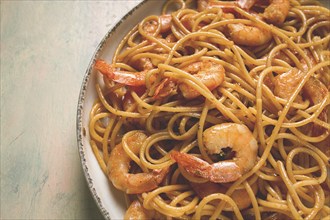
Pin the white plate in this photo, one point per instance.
(110, 201)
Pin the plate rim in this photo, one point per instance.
(80, 130)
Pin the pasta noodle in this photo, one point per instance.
(220, 110)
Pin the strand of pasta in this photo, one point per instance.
(98, 156)
(277, 32)
(304, 143)
(96, 109)
(215, 196)
(152, 199)
(233, 100)
(201, 124)
(154, 115)
(115, 132)
(224, 41)
(113, 110)
(198, 86)
(165, 162)
(303, 19)
(168, 3)
(164, 108)
(294, 124)
(106, 138)
(188, 134)
(239, 103)
(126, 52)
(291, 189)
(271, 141)
(92, 126)
(253, 199)
(122, 43)
(289, 163)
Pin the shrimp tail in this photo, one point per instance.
(221, 172)
(142, 182)
(104, 68)
(224, 172)
(123, 77)
(137, 211)
(191, 164)
(165, 88)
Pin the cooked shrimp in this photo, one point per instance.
(211, 74)
(142, 64)
(286, 83)
(248, 35)
(171, 38)
(316, 92)
(227, 135)
(165, 88)
(120, 76)
(220, 172)
(128, 101)
(119, 166)
(226, 6)
(277, 11)
(165, 21)
(187, 21)
(246, 4)
(314, 89)
(240, 196)
(137, 212)
(202, 5)
(151, 26)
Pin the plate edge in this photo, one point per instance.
(81, 101)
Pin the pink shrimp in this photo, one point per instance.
(151, 26)
(142, 64)
(226, 6)
(227, 135)
(286, 83)
(137, 211)
(240, 33)
(314, 90)
(165, 88)
(246, 4)
(210, 73)
(121, 76)
(248, 35)
(119, 166)
(275, 13)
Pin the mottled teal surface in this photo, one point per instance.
(45, 49)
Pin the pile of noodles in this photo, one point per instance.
(291, 170)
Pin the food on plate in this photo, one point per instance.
(219, 109)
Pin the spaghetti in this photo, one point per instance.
(219, 109)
